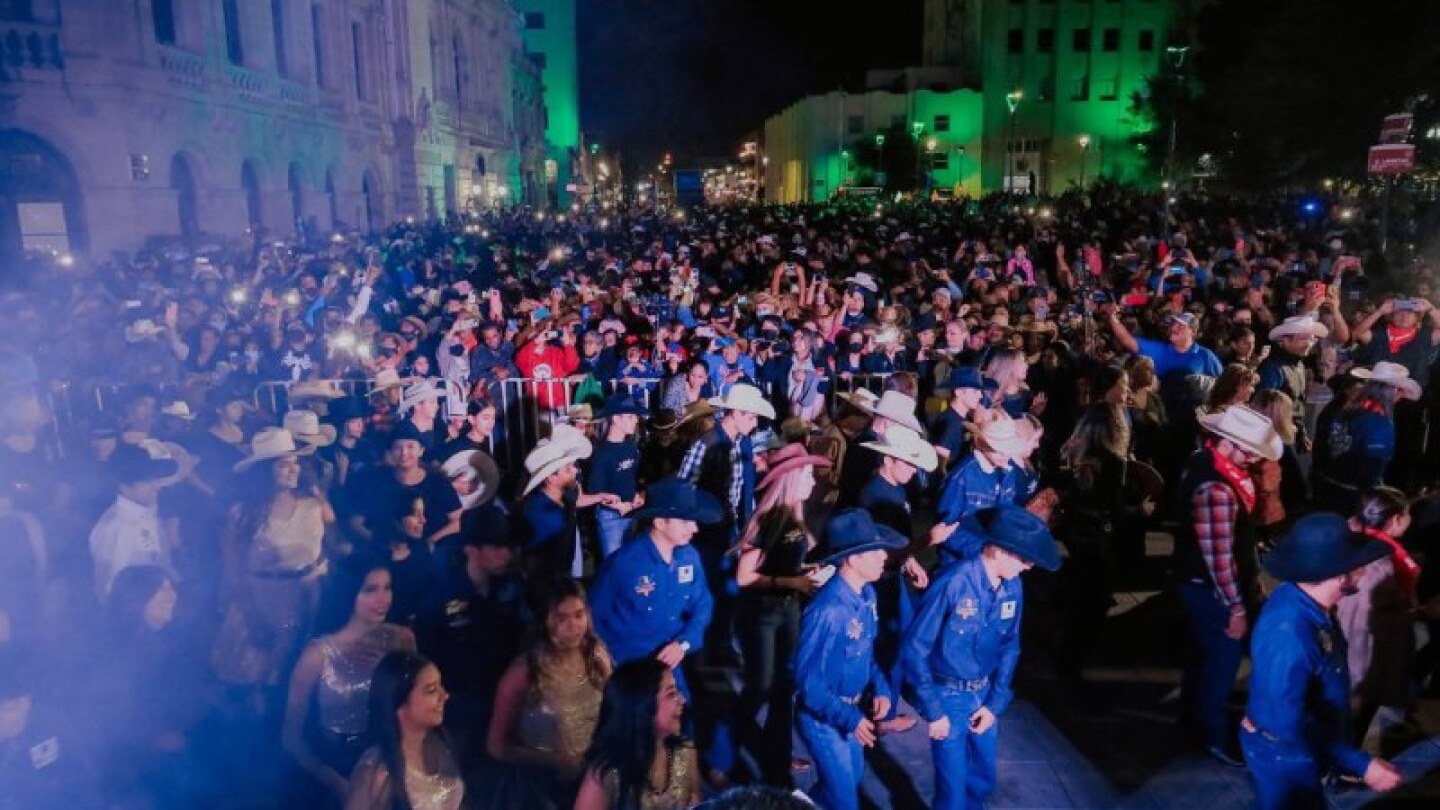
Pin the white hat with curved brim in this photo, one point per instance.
(315, 389)
(1251, 430)
(746, 399)
(999, 435)
(908, 446)
(864, 281)
(180, 409)
(1300, 325)
(424, 390)
(550, 456)
(305, 426)
(272, 443)
(898, 408)
(1390, 374)
(862, 398)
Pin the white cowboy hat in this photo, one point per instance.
(1390, 374)
(272, 443)
(305, 427)
(909, 447)
(1300, 325)
(315, 389)
(572, 438)
(864, 281)
(549, 457)
(141, 330)
(1251, 430)
(999, 435)
(184, 462)
(746, 399)
(422, 391)
(898, 408)
(385, 379)
(180, 409)
(862, 398)
(478, 467)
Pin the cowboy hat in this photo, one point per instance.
(790, 457)
(1392, 374)
(581, 412)
(1320, 546)
(999, 434)
(908, 446)
(898, 408)
(746, 399)
(619, 404)
(677, 498)
(133, 464)
(864, 281)
(180, 409)
(862, 398)
(142, 329)
(1249, 429)
(969, 377)
(552, 455)
(385, 379)
(1300, 325)
(424, 390)
(272, 443)
(478, 467)
(315, 389)
(853, 531)
(305, 426)
(1015, 529)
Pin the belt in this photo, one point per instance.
(976, 685)
(298, 573)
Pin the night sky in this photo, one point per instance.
(694, 76)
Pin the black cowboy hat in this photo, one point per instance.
(678, 498)
(1018, 531)
(1320, 546)
(853, 531)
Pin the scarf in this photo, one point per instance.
(1399, 337)
(1234, 475)
(1407, 571)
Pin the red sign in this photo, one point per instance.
(1392, 158)
(1396, 128)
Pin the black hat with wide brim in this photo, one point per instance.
(676, 498)
(853, 531)
(1321, 546)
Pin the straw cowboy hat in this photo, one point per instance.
(909, 447)
(180, 409)
(862, 398)
(898, 408)
(1300, 325)
(1392, 374)
(787, 459)
(269, 444)
(142, 329)
(1250, 429)
(305, 427)
(315, 389)
(746, 399)
(1321, 546)
(552, 455)
(999, 434)
(423, 391)
(864, 281)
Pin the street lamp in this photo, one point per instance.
(1084, 153)
(1176, 56)
(1012, 101)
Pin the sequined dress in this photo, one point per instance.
(441, 790)
(559, 716)
(677, 791)
(342, 694)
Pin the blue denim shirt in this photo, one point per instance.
(640, 603)
(970, 487)
(1300, 687)
(965, 631)
(835, 662)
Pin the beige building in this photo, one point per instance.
(121, 121)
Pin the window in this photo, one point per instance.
(534, 21)
(1015, 40)
(855, 124)
(317, 34)
(459, 58)
(942, 123)
(1111, 40)
(357, 47)
(1081, 90)
(162, 13)
(277, 24)
(1047, 88)
(1080, 40)
(233, 46)
(538, 58)
(940, 161)
(1109, 89)
(1045, 40)
(1147, 41)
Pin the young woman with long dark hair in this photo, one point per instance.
(638, 760)
(407, 708)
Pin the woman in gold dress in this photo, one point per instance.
(639, 760)
(547, 704)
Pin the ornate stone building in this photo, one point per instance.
(122, 121)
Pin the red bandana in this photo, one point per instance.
(1406, 569)
(1234, 475)
(1399, 337)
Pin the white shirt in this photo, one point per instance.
(127, 534)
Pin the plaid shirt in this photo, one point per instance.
(1213, 508)
(690, 471)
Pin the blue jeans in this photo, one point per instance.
(1211, 664)
(964, 761)
(839, 763)
(1286, 778)
(613, 527)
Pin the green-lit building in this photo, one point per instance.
(549, 37)
(1069, 67)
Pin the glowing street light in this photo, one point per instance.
(1012, 102)
(1084, 154)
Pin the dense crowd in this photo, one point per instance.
(469, 513)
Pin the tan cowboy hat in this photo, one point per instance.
(386, 379)
(272, 443)
(699, 409)
(1392, 374)
(550, 456)
(424, 390)
(315, 389)
(898, 408)
(305, 427)
(1300, 325)
(746, 399)
(862, 398)
(478, 467)
(142, 330)
(180, 409)
(999, 434)
(1251, 430)
(908, 446)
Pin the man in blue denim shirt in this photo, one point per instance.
(835, 664)
(960, 652)
(979, 482)
(1295, 726)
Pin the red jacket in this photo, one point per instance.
(552, 363)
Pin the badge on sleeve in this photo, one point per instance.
(645, 586)
(687, 574)
(1007, 609)
(854, 629)
(1327, 644)
(45, 753)
(966, 608)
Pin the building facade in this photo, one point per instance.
(121, 122)
(550, 42)
(1069, 68)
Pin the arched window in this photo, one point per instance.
(250, 185)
